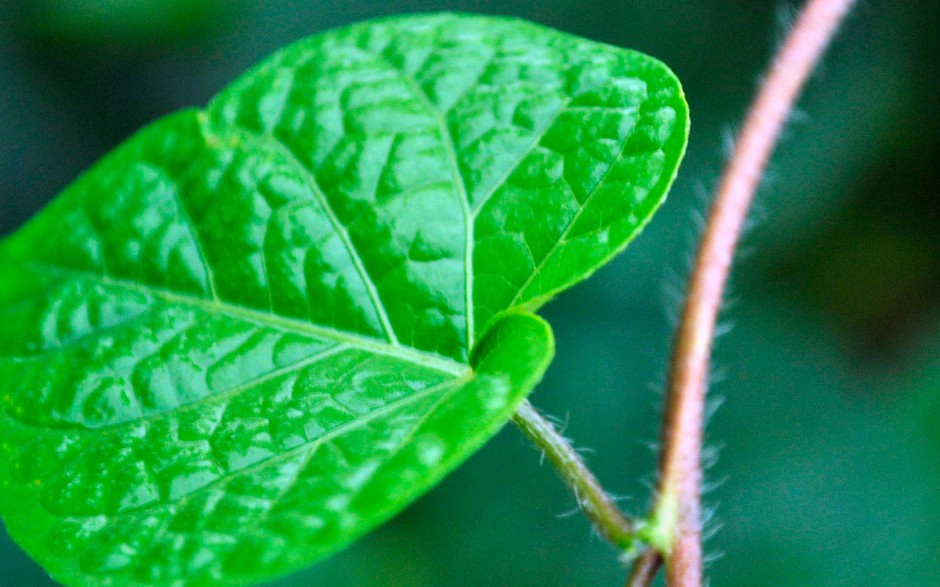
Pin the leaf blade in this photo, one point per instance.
(258, 302)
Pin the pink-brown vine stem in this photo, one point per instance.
(676, 519)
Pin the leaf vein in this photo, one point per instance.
(275, 142)
(460, 184)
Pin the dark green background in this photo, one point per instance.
(828, 440)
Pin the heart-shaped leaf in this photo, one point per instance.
(256, 331)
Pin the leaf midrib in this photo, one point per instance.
(340, 430)
(276, 321)
(312, 445)
(272, 140)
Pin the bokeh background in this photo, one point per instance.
(828, 439)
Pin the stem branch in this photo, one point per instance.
(678, 499)
(645, 568)
(596, 504)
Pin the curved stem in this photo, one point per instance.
(645, 569)
(596, 504)
(678, 507)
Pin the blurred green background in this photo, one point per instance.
(828, 440)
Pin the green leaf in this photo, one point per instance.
(256, 331)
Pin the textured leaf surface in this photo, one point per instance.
(255, 331)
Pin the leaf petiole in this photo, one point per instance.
(593, 500)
